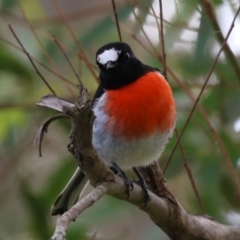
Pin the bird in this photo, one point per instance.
(135, 116)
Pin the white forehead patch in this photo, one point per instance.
(108, 55)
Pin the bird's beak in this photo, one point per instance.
(110, 64)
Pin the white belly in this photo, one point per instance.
(126, 153)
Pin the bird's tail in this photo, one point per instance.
(69, 195)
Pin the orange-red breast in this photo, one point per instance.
(135, 115)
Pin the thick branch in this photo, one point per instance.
(165, 211)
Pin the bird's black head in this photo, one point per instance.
(118, 65)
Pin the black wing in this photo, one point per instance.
(147, 68)
(158, 70)
(98, 93)
(150, 69)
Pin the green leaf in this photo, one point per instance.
(38, 213)
(217, 2)
(185, 10)
(104, 27)
(228, 190)
(10, 63)
(8, 4)
(202, 47)
(59, 179)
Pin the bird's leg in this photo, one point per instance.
(117, 170)
(143, 185)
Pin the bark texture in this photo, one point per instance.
(163, 208)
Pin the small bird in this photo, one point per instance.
(135, 116)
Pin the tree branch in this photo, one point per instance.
(163, 208)
(208, 6)
(116, 20)
(31, 61)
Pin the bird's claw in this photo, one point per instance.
(143, 185)
(117, 170)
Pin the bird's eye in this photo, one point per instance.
(126, 56)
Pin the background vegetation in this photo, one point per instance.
(193, 36)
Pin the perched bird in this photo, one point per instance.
(135, 115)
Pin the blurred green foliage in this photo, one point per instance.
(29, 184)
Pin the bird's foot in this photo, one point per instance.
(117, 170)
(143, 185)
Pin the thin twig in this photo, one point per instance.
(63, 221)
(156, 19)
(43, 129)
(133, 35)
(230, 164)
(30, 59)
(180, 24)
(65, 47)
(138, 19)
(213, 130)
(35, 34)
(116, 20)
(66, 57)
(190, 176)
(49, 37)
(89, 11)
(40, 63)
(42, 47)
(207, 5)
(84, 57)
(162, 41)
